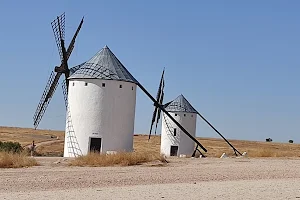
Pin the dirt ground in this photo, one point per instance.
(182, 178)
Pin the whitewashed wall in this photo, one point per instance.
(185, 144)
(102, 112)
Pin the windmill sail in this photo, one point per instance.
(158, 99)
(58, 27)
(161, 103)
(65, 93)
(47, 95)
(72, 43)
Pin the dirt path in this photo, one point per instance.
(241, 189)
(38, 144)
(183, 178)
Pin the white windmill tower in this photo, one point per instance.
(174, 141)
(101, 107)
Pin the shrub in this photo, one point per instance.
(16, 160)
(13, 147)
(122, 158)
(269, 140)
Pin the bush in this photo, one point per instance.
(269, 140)
(16, 160)
(120, 158)
(13, 147)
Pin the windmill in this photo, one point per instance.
(58, 27)
(179, 105)
(101, 90)
(101, 107)
(162, 108)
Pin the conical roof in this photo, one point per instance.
(103, 65)
(180, 104)
(75, 68)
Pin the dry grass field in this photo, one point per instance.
(121, 159)
(10, 160)
(216, 147)
(25, 135)
(49, 145)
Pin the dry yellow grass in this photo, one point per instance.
(26, 135)
(214, 146)
(10, 160)
(122, 159)
(54, 149)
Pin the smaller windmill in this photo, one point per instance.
(179, 106)
(58, 27)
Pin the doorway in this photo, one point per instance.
(95, 145)
(174, 151)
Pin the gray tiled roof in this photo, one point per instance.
(75, 68)
(104, 65)
(180, 104)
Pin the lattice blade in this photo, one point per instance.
(152, 121)
(161, 85)
(159, 111)
(158, 99)
(58, 27)
(65, 92)
(71, 139)
(72, 43)
(47, 95)
(160, 102)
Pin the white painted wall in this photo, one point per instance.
(106, 112)
(185, 144)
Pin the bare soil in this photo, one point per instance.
(182, 178)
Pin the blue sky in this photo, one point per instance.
(236, 62)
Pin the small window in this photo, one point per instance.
(191, 115)
(184, 115)
(73, 83)
(103, 84)
(175, 114)
(132, 88)
(85, 84)
(120, 86)
(175, 132)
